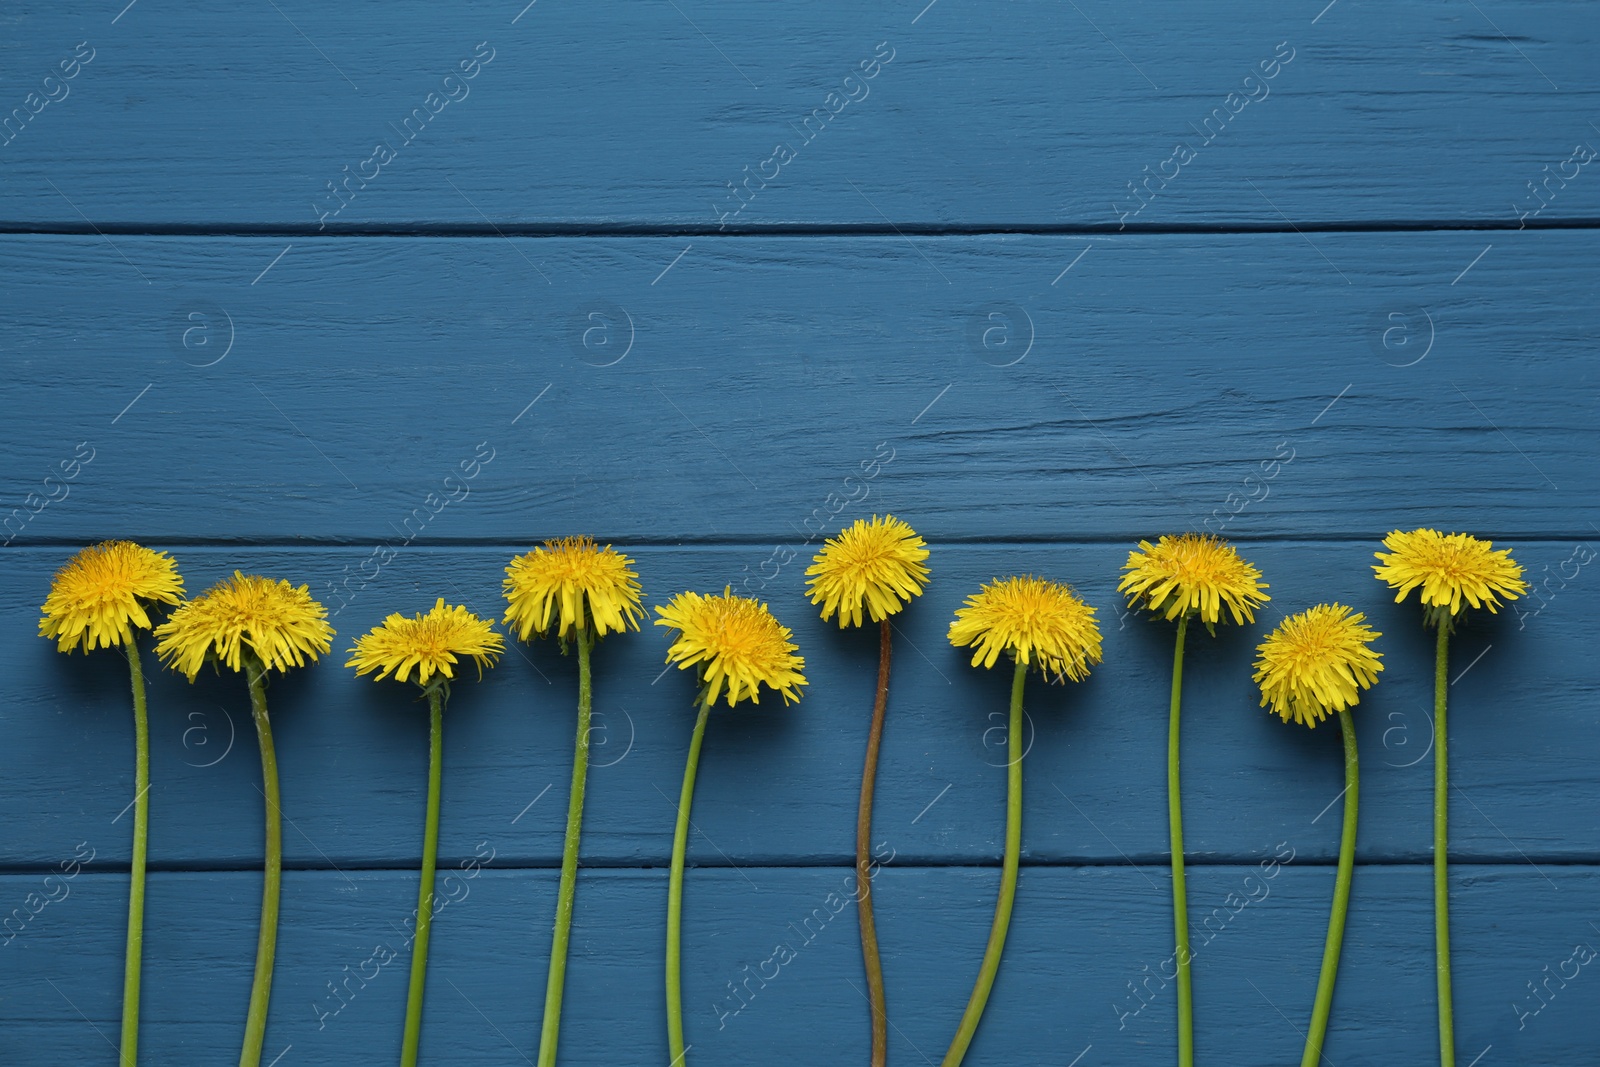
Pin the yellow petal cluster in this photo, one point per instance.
(1038, 621)
(97, 599)
(877, 563)
(567, 583)
(1317, 662)
(432, 644)
(1449, 568)
(280, 624)
(736, 642)
(1192, 573)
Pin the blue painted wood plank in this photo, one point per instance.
(1073, 981)
(780, 785)
(723, 111)
(750, 388)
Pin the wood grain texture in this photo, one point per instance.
(1271, 384)
(1081, 937)
(779, 785)
(1046, 114)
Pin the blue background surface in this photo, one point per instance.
(710, 280)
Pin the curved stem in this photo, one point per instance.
(1441, 863)
(255, 1027)
(1008, 881)
(129, 1054)
(1341, 899)
(556, 979)
(430, 853)
(1180, 893)
(680, 845)
(869, 926)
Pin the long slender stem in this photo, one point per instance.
(430, 853)
(1441, 863)
(556, 979)
(255, 1027)
(1008, 881)
(1341, 899)
(1180, 893)
(680, 845)
(869, 926)
(129, 1054)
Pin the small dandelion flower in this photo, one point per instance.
(1317, 662)
(279, 623)
(431, 643)
(877, 563)
(1449, 568)
(99, 597)
(1192, 573)
(738, 643)
(1038, 621)
(564, 584)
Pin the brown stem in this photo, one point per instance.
(869, 928)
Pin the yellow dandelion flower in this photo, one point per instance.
(574, 580)
(1193, 572)
(1449, 567)
(277, 622)
(96, 599)
(1317, 662)
(1038, 621)
(878, 563)
(738, 642)
(432, 643)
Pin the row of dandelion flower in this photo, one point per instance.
(1314, 664)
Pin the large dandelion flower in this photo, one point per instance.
(1038, 621)
(565, 584)
(99, 597)
(1317, 662)
(1449, 568)
(1192, 573)
(431, 643)
(280, 624)
(737, 642)
(877, 563)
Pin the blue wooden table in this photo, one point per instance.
(709, 280)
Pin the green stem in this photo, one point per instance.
(255, 1027)
(557, 977)
(680, 845)
(1341, 899)
(430, 853)
(869, 925)
(141, 832)
(1008, 881)
(1441, 863)
(1180, 893)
